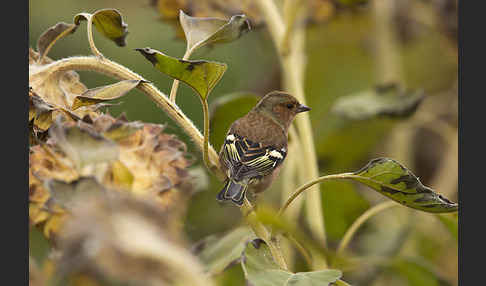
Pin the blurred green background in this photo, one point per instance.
(341, 60)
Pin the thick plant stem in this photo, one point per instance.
(118, 71)
(261, 231)
(359, 222)
(293, 65)
(175, 83)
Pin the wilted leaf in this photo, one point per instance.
(57, 89)
(387, 101)
(202, 76)
(83, 146)
(108, 22)
(261, 270)
(220, 119)
(54, 33)
(319, 11)
(218, 253)
(393, 180)
(40, 111)
(203, 31)
(104, 93)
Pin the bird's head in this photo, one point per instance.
(281, 106)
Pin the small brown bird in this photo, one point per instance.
(256, 145)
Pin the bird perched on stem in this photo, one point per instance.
(256, 145)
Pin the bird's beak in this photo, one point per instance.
(303, 108)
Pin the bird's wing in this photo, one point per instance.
(250, 160)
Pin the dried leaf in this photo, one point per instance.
(261, 270)
(319, 11)
(387, 101)
(202, 76)
(40, 111)
(58, 90)
(109, 22)
(203, 31)
(169, 10)
(54, 33)
(396, 182)
(104, 93)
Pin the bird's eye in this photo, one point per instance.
(290, 106)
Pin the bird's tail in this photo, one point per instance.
(233, 191)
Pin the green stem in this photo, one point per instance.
(359, 222)
(261, 231)
(175, 83)
(310, 184)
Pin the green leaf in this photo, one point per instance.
(220, 119)
(104, 93)
(202, 76)
(218, 253)
(49, 37)
(83, 145)
(261, 270)
(393, 180)
(450, 221)
(383, 101)
(203, 31)
(73, 194)
(109, 22)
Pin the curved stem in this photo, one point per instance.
(310, 184)
(175, 83)
(118, 71)
(89, 30)
(359, 222)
